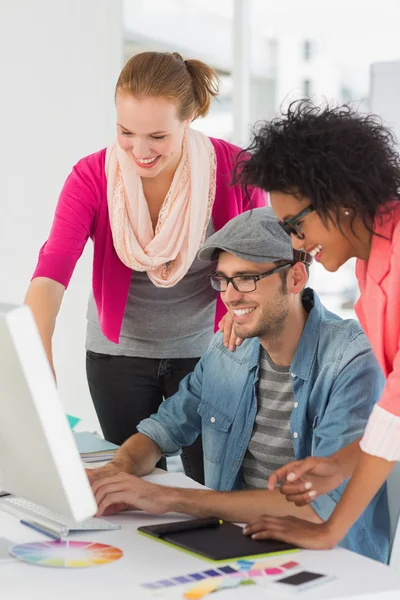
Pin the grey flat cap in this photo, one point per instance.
(255, 236)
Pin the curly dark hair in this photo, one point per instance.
(333, 155)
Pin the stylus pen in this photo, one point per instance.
(51, 534)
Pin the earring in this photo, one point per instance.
(347, 213)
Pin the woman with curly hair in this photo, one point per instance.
(333, 175)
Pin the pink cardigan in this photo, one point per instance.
(379, 312)
(82, 212)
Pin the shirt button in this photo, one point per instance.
(296, 404)
(212, 419)
(295, 435)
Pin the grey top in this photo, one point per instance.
(270, 445)
(175, 322)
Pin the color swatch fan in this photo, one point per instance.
(66, 554)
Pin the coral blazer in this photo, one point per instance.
(379, 305)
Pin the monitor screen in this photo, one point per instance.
(39, 459)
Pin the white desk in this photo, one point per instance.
(146, 560)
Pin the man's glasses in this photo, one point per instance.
(291, 226)
(242, 283)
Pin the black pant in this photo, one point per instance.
(125, 390)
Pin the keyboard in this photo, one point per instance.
(27, 510)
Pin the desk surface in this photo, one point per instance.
(145, 560)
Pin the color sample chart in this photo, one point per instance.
(66, 554)
(241, 572)
(208, 586)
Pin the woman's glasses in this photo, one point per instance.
(292, 227)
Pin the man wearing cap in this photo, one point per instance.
(302, 383)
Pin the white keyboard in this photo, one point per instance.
(24, 509)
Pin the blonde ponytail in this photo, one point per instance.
(205, 85)
(190, 83)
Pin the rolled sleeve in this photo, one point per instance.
(382, 435)
(52, 265)
(159, 435)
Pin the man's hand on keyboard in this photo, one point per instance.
(101, 472)
(116, 492)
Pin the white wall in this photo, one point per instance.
(385, 93)
(58, 67)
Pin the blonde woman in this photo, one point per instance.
(147, 202)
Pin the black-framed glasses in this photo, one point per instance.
(242, 283)
(291, 226)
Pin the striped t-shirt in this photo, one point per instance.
(270, 444)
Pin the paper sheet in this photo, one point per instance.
(174, 480)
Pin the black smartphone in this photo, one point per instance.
(302, 580)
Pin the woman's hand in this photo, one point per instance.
(304, 480)
(293, 531)
(231, 341)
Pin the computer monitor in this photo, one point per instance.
(39, 459)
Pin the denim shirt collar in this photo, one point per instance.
(308, 342)
(255, 354)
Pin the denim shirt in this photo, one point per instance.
(336, 382)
